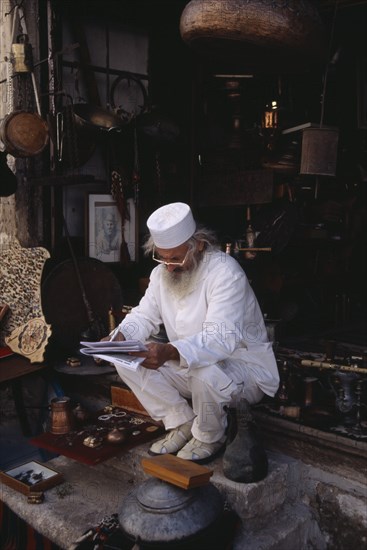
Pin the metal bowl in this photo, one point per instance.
(96, 117)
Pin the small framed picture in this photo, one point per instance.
(105, 228)
(31, 476)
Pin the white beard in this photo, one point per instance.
(179, 284)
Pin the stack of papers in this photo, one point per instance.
(115, 352)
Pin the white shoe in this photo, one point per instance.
(174, 440)
(201, 452)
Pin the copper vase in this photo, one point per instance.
(61, 415)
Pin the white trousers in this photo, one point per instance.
(164, 393)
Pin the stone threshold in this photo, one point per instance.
(323, 449)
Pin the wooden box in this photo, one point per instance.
(124, 397)
(31, 476)
(180, 472)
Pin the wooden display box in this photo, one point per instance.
(177, 471)
(31, 476)
(124, 397)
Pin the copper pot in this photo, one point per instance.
(24, 134)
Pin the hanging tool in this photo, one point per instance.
(59, 135)
(117, 193)
(24, 48)
(96, 329)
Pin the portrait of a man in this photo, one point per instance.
(105, 230)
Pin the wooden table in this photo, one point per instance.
(12, 369)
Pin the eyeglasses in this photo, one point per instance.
(179, 264)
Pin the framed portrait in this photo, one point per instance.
(105, 228)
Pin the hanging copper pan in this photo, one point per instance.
(24, 134)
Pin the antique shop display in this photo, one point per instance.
(95, 437)
(323, 390)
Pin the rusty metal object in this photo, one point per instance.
(24, 134)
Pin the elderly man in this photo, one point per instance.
(217, 350)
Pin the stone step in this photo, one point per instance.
(272, 516)
(291, 528)
(252, 502)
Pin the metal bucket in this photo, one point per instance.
(319, 151)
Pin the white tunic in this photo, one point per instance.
(218, 321)
(218, 329)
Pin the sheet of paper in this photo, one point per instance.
(107, 349)
(118, 359)
(124, 345)
(115, 352)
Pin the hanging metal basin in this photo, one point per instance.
(96, 118)
(158, 513)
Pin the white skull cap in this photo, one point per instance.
(171, 225)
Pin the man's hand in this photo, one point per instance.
(156, 355)
(118, 338)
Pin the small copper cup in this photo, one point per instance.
(61, 415)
